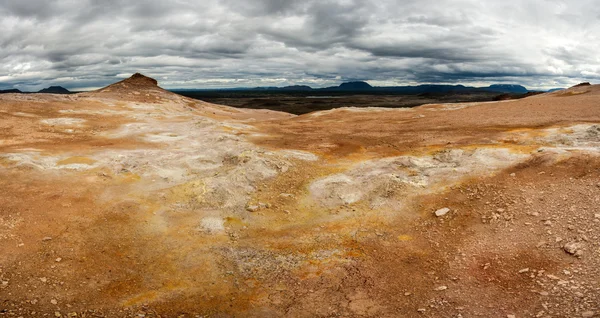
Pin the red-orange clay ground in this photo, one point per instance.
(135, 202)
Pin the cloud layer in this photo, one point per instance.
(232, 43)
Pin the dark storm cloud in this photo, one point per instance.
(203, 43)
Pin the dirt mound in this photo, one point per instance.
(582, 84)
(138, 88)
(136, 83)
(137, 80)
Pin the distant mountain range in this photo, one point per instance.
(49, 90)
(349, 87)
(364, 87)
(7, 91)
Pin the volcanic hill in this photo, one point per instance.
(55, 90)
(132, 201)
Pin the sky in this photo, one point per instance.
(85, 44)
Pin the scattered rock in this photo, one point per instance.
(524, 270)
(58, 259)
(53, 301)
(47, 238)
(263, 205)
(574, 248)
(441, 288)
(442, 212)
(252, 208)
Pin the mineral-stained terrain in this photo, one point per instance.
(131, 201)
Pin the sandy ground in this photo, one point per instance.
(135, 202)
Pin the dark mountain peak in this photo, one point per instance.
(358, 85)
(55, 90)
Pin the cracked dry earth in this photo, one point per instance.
(131, 201)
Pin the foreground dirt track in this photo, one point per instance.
(135, 202)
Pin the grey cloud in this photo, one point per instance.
(198, 43)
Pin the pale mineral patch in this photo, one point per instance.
(63, 121)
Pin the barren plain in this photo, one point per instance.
(132, 201)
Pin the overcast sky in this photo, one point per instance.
(233, 43)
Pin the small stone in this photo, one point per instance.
(407, 294)
(524, 270)
(53, 301)
(573, 248)
(252, 208)
(441, 288)
(263, 205)
(57, 314)
(511, 316)
(421, 310)
(513, 174)
(597, 215)
(47, 238)
(588, 314)
(442, 212)
(43, 279)
(58, 259)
